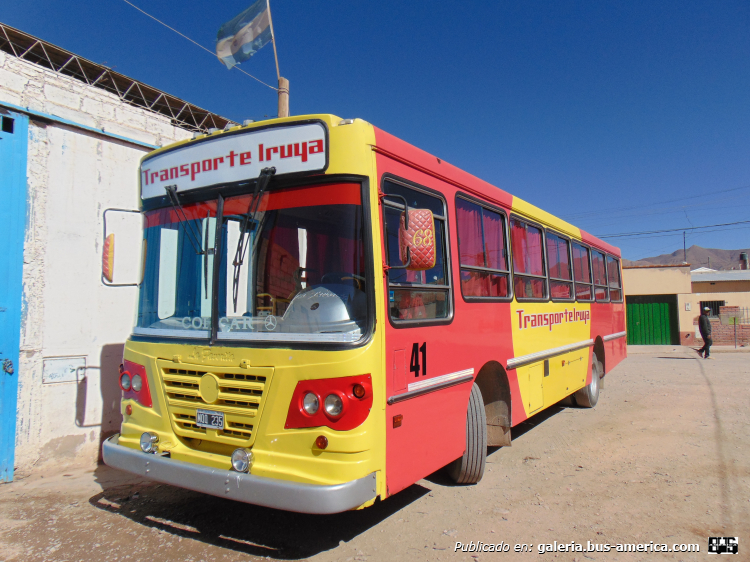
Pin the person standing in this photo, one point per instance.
(704, 325)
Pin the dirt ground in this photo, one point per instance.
(664, 457)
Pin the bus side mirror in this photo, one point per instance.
(416, 239)
(125, 225)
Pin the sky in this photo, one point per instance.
(619, 117)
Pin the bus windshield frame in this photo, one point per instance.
(323, 211)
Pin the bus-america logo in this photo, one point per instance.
(237, 157)
(551, 318)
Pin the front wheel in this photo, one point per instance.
(588, 396)
(469, 468)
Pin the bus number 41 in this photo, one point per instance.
(414, 366)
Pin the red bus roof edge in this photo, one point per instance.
(408, 154)
(592, 240)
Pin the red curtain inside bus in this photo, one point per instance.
(481, 243)
(581, 264)
(326, 252)
(469, 217)
(494, 240)
(600, 276)
(558, 261)
(528, 257)
(527, 249)
(613, 273)
(483, 284)
(557, 257)
(582, 272)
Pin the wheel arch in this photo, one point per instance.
(493, 383)
(599, 350)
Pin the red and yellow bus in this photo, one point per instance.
(328, 314)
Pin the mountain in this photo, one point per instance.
(696, 257)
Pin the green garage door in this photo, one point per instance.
(652, 320)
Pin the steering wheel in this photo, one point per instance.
(339, 276)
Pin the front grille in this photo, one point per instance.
(241, 397)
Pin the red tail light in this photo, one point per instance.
(355, 394)
(143, 394)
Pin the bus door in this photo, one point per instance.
(426, 409)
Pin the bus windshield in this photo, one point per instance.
(293, 270)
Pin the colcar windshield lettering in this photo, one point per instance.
(291, 267)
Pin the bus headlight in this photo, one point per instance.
(310, 403)
(334, 405)
(125, 381)
(242, 460)
(149, 442)
(137, 383)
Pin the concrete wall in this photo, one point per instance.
(73, 176)
(662, 280)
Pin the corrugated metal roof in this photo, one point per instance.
(742, 275)
(181, 113)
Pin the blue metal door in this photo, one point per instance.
(13, 150)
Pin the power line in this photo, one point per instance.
(196, 43)
(591, 223)
(644, 233)
(578, 216)
(677, 234)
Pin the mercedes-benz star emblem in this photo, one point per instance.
(270, 323)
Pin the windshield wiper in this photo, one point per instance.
(239, 255)
(192, 233)
(190, 230)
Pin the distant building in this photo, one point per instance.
(72, 135)
(663, 303)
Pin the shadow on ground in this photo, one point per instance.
(525, 426)
(245, 528)
(254, 530)
(441, 478)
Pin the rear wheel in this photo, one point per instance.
(469, 468)
(588, 396)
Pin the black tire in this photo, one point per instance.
(469, 468)
(588, 396)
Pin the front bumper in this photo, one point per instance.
(258, 490)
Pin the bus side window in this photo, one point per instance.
(600, 277)
(560, 272)
(415, 295)
(613, 273)
(482, 251)
(582, 272)
(529, 275)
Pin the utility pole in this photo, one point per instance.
(283, 97)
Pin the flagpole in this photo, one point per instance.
(273, 39)
(283, 82)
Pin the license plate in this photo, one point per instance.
(209, 419)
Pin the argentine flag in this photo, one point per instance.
(240, 38)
